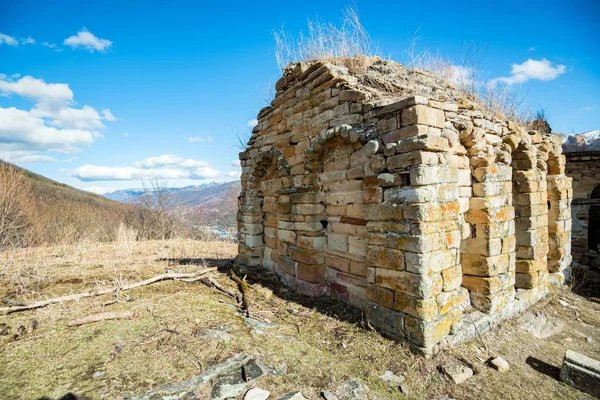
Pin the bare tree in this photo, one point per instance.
(17, 208)
(159, 212)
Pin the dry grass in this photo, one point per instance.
(323, 343)
(348, 44)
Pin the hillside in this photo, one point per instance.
(64, 214)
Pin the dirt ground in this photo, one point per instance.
(183, 328)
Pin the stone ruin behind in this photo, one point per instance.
(391, 190)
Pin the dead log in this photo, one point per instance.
(210, 282)
(189, 277)
(243, 286)
(103, 317)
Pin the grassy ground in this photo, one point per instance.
(322, 343)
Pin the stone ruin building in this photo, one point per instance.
(583, 165)
(390, 190)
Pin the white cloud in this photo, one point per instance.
(99, 190)
(590, 108)
(542, 70)
(125, 134)
(47, 95)
(166, 166)
(107, 115)
(533, 48)
(38, 158)
(50, 45)
(51, 124)
(21, 127)
(252, 123)
(233, 174)
(170, 160)
(28, 40)
(198, 139)
(9, 40)
(91, 173)
(235, 163)
(86, 39)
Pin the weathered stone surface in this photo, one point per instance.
(581, 372)
(459, 373)
(257, 394)
(413, 208)
(500, 364)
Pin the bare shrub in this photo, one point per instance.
(157, 215)
(17, 209)
(348, 45)
(125, 234)
(540, 122)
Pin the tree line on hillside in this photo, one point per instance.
(36, 211)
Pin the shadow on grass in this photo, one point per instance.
(270, 280)
(543, 367)
(68, 396)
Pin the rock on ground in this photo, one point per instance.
(257, 394)
(293, 396)
(500, 364)
(352, 389)
(459, 373)
(392, 378)
(541, 325)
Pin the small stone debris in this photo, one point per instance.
(257, 394)
(98, 375)
(293, 396)
(589, 339)
(328, 395)
(404, 389)
(352, 389)
(500, 364)
(391, 378)
(459, 373)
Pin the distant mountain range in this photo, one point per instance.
(195, 195)
(588, 141)
(208, 205)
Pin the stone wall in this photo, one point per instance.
(394, 192)
(583, 166)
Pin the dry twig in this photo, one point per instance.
(189, 277)
(103, 317)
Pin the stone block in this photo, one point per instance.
(338, 263)
(337, 242)
(581, 372)
(421, 286)
(311, 273)
(427, 334)
(427, 175)
(424, 115)
(306, 256)
(383, 257)
(383, 297)
(286, 236)
(424, 309)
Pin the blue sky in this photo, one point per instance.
(97, 94)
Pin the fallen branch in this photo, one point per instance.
(210, 282)
(103, 317)
(243, 286)
(189, 277)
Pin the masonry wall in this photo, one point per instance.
(416, 210)
(584, 169)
